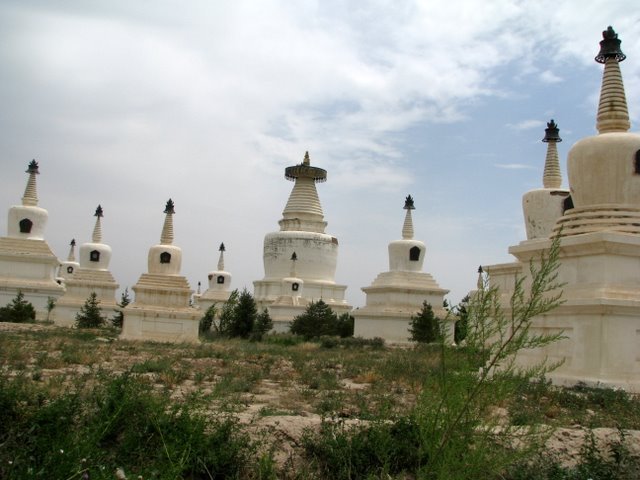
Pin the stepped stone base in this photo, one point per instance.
(161, 311)
(78, 289)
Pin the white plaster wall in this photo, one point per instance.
(541, 208)
(601, 170)
(37, 215)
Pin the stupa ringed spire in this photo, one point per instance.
(30, 197)
(613, 115)
(551, 178)
(166, 238)
(97, 229)
(407, 227)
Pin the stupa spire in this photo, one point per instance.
(552, 177)
(480, 282)
(30, 197)
(303, 210)
(166, 238)
(97, 229)
(613, 115)
(407, 227)
(221, 259)
(72, 247)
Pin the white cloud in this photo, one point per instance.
(526, 125)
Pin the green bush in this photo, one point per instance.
(18, 310)
(90, 314)
(320, 320)
(118, 318)
(89, 432)
(425, 326)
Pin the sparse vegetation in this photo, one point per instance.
(118, 317)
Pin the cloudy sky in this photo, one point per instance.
(127, 103)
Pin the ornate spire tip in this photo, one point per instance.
(552, 132)
(33, 167)
(294, 257)
(99, 212)
(306, 160)
(73, 242)
(222, 248)
(610, 47)
(408, 203)
(169, 208)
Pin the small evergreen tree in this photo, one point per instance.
(262, 325)
(18, 310)
(345, 325)
(118, 319)
(244, 316)
(227, 314)
(317, 320)
(90, 314)
(460, 329)
(207, 321)
(425, 327)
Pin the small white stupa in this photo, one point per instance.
(68, 267)
(91, 276)
(219, 285)
(301, 231)
(27, 264)
(161, 310)
(543, 206)
(599, 250)
(396, 295)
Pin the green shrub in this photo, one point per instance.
(425, 326)
(118, 318)
(319, 320)
(377, 450)
(18, 310)
(90, 314)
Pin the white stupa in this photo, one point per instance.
(161, 310)
(27, 264)
(600, 250)
(91, 275)
(301, 231)
(543, 206)
(68, 267)
(396, 295)
(219, 285)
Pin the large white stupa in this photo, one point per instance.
(27, 264)
(599, 250)
(161, 309)
(302, 231)
(91, 276)
(396, 295)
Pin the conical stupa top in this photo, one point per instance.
(97, 229)
(480, 282)
(221, 259)
(552, 178)
(407, 227)
(613, 115)
(72, 248)
(30, 197)
(166, 238)
(303, 202)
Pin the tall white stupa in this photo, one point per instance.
(161, 309)
(396, 295)
(91, 276)
(543, 206)
(27, 264)
(599, 250)
(219, 287)
(302, 230)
